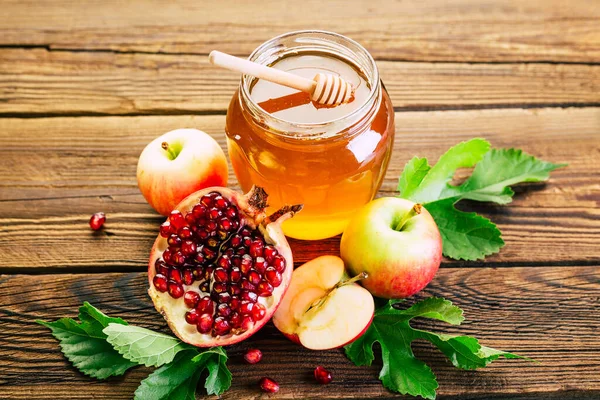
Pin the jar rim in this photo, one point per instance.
(271, 48)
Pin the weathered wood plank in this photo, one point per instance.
(548, 313)
(37, 81)
(465, 30)
(56, 172)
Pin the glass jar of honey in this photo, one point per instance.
(331, 159)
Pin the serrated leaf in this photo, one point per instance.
(465, 236)
(463, 155)
(84, 344)
(468, 236)
(402, 372)
(412, 175)
(178, 380)
(144, 346)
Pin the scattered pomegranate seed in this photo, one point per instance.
(97, 220)
(269, 385)
(323, 376)
(252, 356)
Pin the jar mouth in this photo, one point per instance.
(316, 41)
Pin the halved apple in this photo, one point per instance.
(322, 308)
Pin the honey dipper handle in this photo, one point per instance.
(261, 71)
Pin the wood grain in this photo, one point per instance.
(61, 170)
(547, 313)
(464, 30)
(42, 82)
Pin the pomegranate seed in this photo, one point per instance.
(199, 211)
(269, 253)
(273, 277)
(245, 231)
(175, 289)
(190, 219)
(229, 253)
(205, 305)
(161, 267)
(245, 285)
(240, 251)
(264, 289)
(250, 296)
(202, 234)
(235, 303)
(185, 233)
(178, 258)
(234, 290)
(231, 213)
(214, 213)
(235, 275)
(235, 320)
(176, 219)
(278, 263)
(222, 235)
(236, 261)
(254, 277)
(199, 257)
(247, 323)
(97, 220)
(225, 224)
(198, 273)
(191, 317)
(211, 226)
(209, 254)
(224, 310)
(252, 356)
(165, 229)
(260, 265)
(269, 385)
(205, 286)
(188, 276)
(191, 299)
(208, 272)
(166, 255)
(212, 242)
(246, 307)
(221, 203)
(323, 376)
(258, 312)
(219, 287)
(256, 248)
(246, 264)
(188, 248)
(224, 261)
(236, 241)
(160, 282)
(221, 326)
(175, 275)
(220, 275)
(204, 324)
(206, 201)
(174, 240)
(247, 241)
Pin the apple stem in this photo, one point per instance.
(320, 301)
(414, 211)
(172, 154)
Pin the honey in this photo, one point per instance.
(331, 159)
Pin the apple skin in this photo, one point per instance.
(200, 163)
(399, 263)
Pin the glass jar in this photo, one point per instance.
(334, 166)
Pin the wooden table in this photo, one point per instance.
(85, 85)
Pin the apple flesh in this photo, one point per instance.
(322, 309)
(397, 243)
(177, 164)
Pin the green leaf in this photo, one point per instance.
(178, 380)
(469, 236)
(84, 344)
(402, 372)
(465, 236)
(144, 346)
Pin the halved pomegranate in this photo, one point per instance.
(220, 267)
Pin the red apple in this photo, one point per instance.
(179, 163)
(397, 243)
(322, 309)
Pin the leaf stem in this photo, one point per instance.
(414, 211)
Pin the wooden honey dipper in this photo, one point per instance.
(327, 89)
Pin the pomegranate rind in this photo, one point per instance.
(249, 206)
